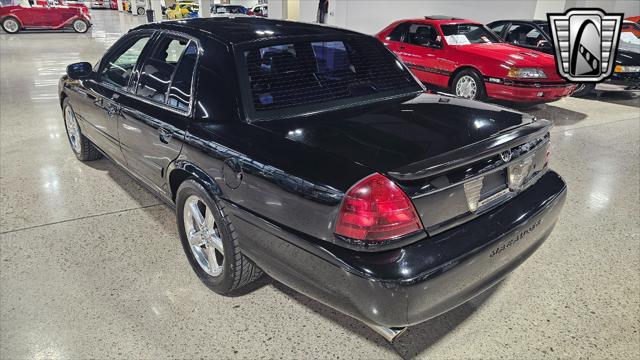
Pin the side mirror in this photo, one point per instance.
(81, 70)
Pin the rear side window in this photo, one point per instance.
(159, 68)
(316, 75)
(180, 91)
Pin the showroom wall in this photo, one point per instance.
(370, 16)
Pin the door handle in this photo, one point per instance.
(111, 110)
(165, 135)
(402, 48)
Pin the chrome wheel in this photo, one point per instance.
(467, 87)
(79, 26)
(11, 25)
(203, 235)
(73, 131)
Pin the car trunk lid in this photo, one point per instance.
(430, 146)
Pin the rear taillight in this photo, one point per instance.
(376, 209)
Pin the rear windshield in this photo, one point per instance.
(311, 76)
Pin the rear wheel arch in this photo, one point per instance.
(180, 171)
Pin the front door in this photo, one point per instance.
(419, 46)
(98, 104)
(155, 117)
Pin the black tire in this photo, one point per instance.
(8, 28)
(481, 92)
(237, 269)
(140, 11)
(87, 151)
(583, 90)
(78, 26)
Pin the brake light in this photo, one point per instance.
(376, 209)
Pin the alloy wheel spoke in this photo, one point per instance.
(209, 221)
(216, 242)
(198, 220)
(212, 259)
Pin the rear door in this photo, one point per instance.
(154, 118)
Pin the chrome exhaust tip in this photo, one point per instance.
(390, 334)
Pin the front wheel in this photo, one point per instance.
(468, 84)
(81, 146)
(210, 241)
(10, 25)
(80, 26)
(141, 11)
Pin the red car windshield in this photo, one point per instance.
(465, 34)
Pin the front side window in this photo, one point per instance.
(159, 68)
(311, 76)
(119, 67)
(423, 35)
(400, 32)
(465, 34)
(497, 28)
(525, 35)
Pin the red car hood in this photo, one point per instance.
(514, 56)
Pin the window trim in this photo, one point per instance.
(134, 83)
(117, 47)
(407, 34)
(174, 36)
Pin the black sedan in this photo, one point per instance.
(534, 34)
(312, 154)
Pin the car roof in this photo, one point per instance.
(439, 19)
(240, 29)
(521, 20)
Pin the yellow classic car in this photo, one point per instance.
(183, 10)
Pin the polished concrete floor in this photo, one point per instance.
(91, 265)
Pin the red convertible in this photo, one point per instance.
(472, 62)
(24, 16)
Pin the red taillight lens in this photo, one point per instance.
(376, 209)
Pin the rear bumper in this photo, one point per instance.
(408, 285)
(528, 93)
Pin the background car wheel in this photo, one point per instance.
(81, 146)
(80, 26)
(469, 85)
(583, 90)
(141, 11)
(10, 25)
(210, 241)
